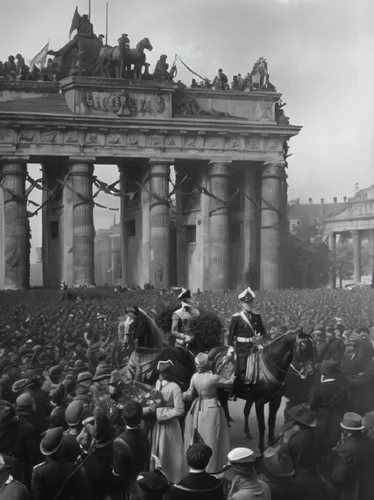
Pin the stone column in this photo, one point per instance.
(219, 235)
(332, 249)
(16, 245)
(67, 229)
(181, 239)
(249, 220)
(81, 171)
(124, 241)
(159, 213)
(357, 256)
(271, 216)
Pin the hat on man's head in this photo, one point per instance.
(24, 401)
(102, 372)
(84, 377)
(19, 386)
(5, 365)
(52, 441)
(241, 456)
(152, 484)
(301, 414)
(352, 422)
(165, 366)
(247, 295)
(185, 294)
(58, 394)
(80, 366)
(74, 413)
(115, 378)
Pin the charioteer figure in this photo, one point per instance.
(246, 330)
(182, 322)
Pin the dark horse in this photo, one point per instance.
(271, 366)
(142, 340)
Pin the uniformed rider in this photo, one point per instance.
(182, 321)
(245, 330)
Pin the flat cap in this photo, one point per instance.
(241, 456)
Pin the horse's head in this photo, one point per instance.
(136, 328)
(304, 351)
(145, 42)
(130, 327)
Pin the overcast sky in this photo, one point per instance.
(319, 52)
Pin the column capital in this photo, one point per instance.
(81, 160)
(82, 168)
(159, 168)
(12, 160)
(160, 161)
(219, 168)
(276, 170)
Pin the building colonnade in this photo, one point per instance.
(68, 223)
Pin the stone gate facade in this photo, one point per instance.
(226, 147)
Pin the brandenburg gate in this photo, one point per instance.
(228, 151)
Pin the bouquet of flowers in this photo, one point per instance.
(144, 394)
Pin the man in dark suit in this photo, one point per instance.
(352, 474)
(198, 484)
(131, 451)
(245, 329)
(56, 478)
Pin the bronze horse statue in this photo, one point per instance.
(113, 56)
(84, 49)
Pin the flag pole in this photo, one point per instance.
(89, 10)
(106, 23)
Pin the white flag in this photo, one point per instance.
(40, 58)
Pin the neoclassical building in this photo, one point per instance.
(225, 212)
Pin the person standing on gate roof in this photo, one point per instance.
(246, 329)
(182, 323)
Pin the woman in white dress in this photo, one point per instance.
(167, 438)
(206, 414)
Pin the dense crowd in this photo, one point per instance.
(67, 431)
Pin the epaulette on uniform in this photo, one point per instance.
(236, 314)
(38, 465)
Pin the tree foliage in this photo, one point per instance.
(306, 256)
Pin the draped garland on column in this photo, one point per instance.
(28, 249)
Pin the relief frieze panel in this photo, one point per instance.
(6, 136)
(193, 142)
(50, 137)
(71, 137)
(27, 136)
(125, 104)
(253, 143)
(115, 140)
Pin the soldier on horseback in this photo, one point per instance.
(182, 322)
(246, 329)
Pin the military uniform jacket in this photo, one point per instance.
(245, 325)
(182, 318)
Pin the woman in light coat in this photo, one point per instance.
(167, 438)
(206, 414)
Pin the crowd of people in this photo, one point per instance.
(67, 432)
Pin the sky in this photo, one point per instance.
(319, 55)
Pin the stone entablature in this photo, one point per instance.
(134, 118)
